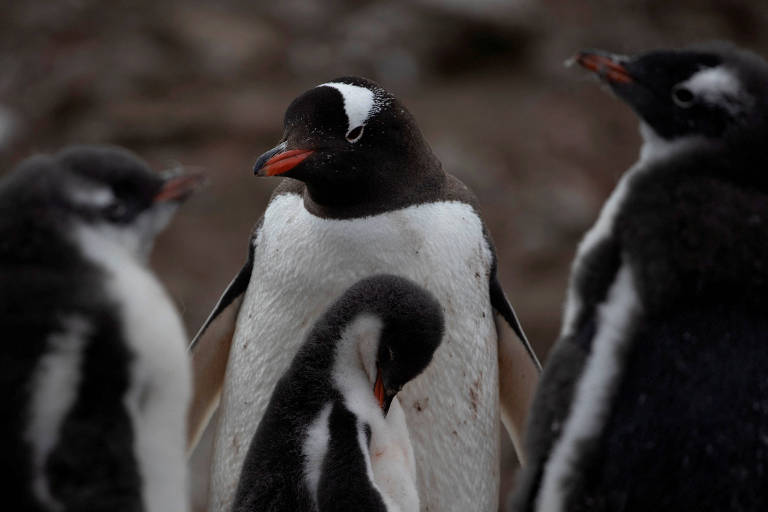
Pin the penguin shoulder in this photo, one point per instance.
(686, 224)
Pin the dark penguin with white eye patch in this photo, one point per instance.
(364, 194)
(93, 349)
(312, 449)
(654, 395)
(356, 149)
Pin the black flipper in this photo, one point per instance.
(504, 308)
(235, 289)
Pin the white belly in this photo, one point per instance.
(160, 377)
(302, 264)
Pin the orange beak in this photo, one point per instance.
(378, 388)
(606, 67)
(178, 188)
(284, 162)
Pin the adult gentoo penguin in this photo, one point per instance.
(654, 397)
(366, 196)
(93, 355)
(328, 439)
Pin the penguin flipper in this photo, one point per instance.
(502, 306)
(518, 379)
(519, 368)
(209, 352)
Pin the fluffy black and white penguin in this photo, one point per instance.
(333, 424)
(367, 196)
(655, 396)
(93, 356)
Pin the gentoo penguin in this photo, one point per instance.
(94, 351)
(655, 396)
(313, 449)
(366, 195)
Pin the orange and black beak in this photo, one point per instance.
(380, 392)
(279, 160)
(632, 80)
(607, 66)
(178, 187)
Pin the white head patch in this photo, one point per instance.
(360, 103)
(715, 85)
(92, 196)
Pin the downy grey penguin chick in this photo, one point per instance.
(655, 395)
(329, 440)
(94, 351)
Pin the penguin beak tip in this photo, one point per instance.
(178, 187)
(279, 161)
(607, 67)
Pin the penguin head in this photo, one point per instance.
(105, 188)
(397, 325)
(711, 92)
(349, 141)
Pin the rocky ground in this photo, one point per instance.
(205, 86)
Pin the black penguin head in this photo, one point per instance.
(106, 188)
(714, 91)
(349, 141)
(408, 327)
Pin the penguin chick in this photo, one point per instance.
(93, 352)
(654, 395)
(333, 436)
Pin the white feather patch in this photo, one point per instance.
(160, 380)
(715, 85)
(359, 340)
(656, 148)
(390, 467)
(599, 232)
(54, 390)
(360, 103)
(92, 196)
(315, 448)
(595, 390)
(393, 463)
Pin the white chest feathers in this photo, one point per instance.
(389, 458)
(390, 464)
(160, 381)
(302, 264)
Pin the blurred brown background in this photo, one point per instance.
(205, 84)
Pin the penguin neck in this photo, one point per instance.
(655, 148)
(740, 160)
(354, 367)
(420, 180)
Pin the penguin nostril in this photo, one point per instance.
(355, 133)
(682, 97)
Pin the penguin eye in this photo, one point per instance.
(117, 211)
(355, 133)
(682, 96)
